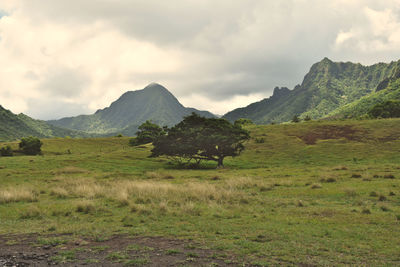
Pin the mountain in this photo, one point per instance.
(14, 126)
(388, 89)
(326, 88)
(126, 114)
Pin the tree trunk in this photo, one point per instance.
(220, 162)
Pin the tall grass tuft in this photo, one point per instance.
(18, 194)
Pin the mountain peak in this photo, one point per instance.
(155, 86)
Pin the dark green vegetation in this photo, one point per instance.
(6, 151)
(14, 126)
(31, 145)
(148, 132)
(388, 109)
(329, 89)
(312, 193)
(197, 138)
(133, 108)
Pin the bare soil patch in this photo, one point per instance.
(119, 250)
(331, 132)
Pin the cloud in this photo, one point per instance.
(72, 57)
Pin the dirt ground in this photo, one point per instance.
(64, 250)
(331, 132)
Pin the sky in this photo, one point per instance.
(70, 57)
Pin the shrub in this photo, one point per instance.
(295, 119)
(31, 145)
(260, 140)
(6, 151)
(243, 121)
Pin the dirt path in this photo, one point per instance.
(67, 250)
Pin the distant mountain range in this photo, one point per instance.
(330, 89)
(126, 114)
(14, 126)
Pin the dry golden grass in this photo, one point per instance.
(17, 194)
(152, 192)
(59, 192)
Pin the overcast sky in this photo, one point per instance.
(68, 57)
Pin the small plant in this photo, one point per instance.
(53, 241)
(259, 140)
(64, 256)
(136, 262)
(32, 212)
(307, 118)
(6, 151)
(85, 207)
(172, 252)
(366, 211)
(116, 256)
(373, 194)
(388, 176)
(384, 208)
(382, 198)
(316, 186)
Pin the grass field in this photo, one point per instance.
(323, 193)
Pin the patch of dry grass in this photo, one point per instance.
(152, 192)
(17, 194)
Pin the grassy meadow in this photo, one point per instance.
(324, 193)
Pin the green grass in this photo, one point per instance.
(280, 202)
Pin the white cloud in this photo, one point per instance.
(66, 57)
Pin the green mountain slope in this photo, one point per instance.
(327, 87)
(14, 126)
(388, 89)
(154, 103)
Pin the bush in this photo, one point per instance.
(31, 145)
(243, 121)
(295, 119)
(6, 151)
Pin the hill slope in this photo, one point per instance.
(327, 87)
(388, 89)
(14, 126)
(126, 114)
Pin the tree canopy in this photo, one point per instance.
(31, 145)
(147, 133)
(388, 109)
(197, 138)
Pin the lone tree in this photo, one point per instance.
(30, 145)
(147, 133)
(197, 138)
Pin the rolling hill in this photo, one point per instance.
(126, 114)
(14, 126)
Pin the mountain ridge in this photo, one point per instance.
(130, 110)
(13, 126)
(325, 88)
